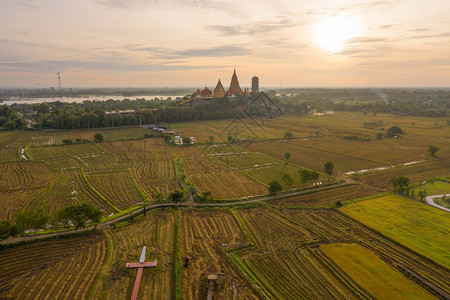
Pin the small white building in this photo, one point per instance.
(178, 140)
(193, 140)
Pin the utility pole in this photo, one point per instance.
(59, 86)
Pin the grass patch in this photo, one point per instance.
(419, 227)
(436, 187)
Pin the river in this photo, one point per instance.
(17, 100)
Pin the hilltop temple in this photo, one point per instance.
(219, 91)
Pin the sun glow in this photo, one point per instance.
(332, 33)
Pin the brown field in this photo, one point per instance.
(224, 182)
(8, 155)
(25, 174)
(204, 235)
(117, 187)
(311, 158)
(326, 198)
(227, 185)
(156, 232)
(63, 268)
(416, 173)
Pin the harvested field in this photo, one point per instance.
(204, 234)
(156, 232)
(221, 180)
(67, 189)
(326, 198)
(227, 185)
(104, 163)
(82, 150)
(25, 174)
(48, 153)
(14, 201)
(416, 173)
(124, 194)
(8, 155)
(272, 231)
(312, 158)
(63, 268)
(154, 169)
(266, 174)
(153, 187)
(299, 273)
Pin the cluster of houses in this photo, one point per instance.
(177, 139)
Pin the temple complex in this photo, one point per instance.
(219, 91)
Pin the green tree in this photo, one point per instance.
(186, 141)
(422, 194)
(307, 175)
(98, 137)
(288, 135)
(433, 150)
(211, 139)
(5, 229)
(394, 131)
(9, 125)
(159, 197)
(400, 184)
(204, 197)
(31, 219)
(176, 196)
(329, 168)
(288, 180)
(274, 187)
(287, 155)
(78, 215)
(43, 108)
(67, 141)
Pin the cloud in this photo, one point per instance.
(361, 40)
(351, 52)
(420, 29)
(73, 65)
(213, 52)
(166, 4)
(387, 26)
(426, 36)
(257, 28)
(29, 3)
(219, 51)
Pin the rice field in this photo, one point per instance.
(419, 227)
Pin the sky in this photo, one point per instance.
(193, 43)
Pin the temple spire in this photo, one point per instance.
(234, 89)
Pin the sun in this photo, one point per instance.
(332, 33)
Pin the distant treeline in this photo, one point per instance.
(80, 92)
(413, 102)
(93, 114)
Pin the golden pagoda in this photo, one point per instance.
(219, 91)
(234, 89)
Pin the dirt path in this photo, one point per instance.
(431, 202)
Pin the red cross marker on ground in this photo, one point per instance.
(140, 266)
